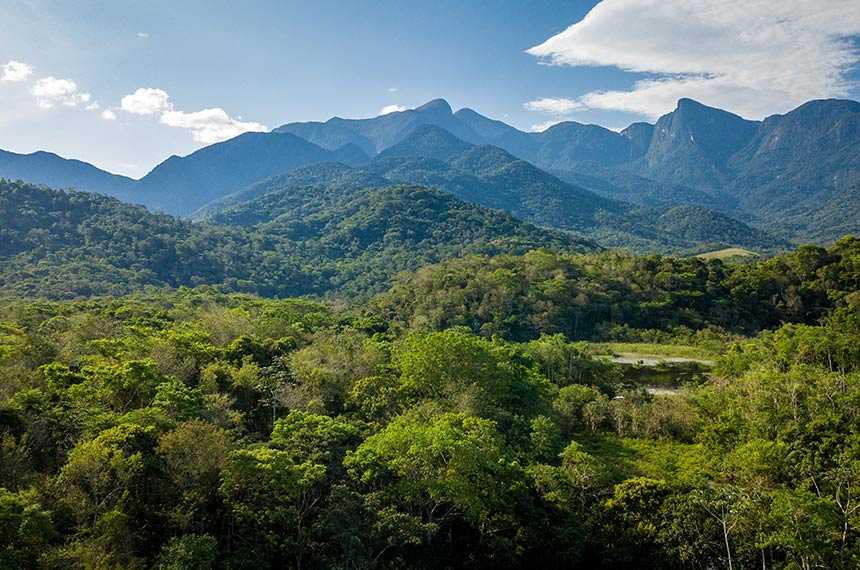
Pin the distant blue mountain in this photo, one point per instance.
(180, 185)
(52, 170)
(783, 173)
(490, 176)
(377, 134)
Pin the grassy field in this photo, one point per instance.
(727, 253)
(664, 350)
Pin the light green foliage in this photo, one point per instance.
(320, 439)
(452, 461)
(177, 400)
(187, 552)
(327, 368)
(128, 385)
(471, 375)
(269, 497)
(194, 454)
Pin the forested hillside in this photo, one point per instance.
(490, 176)
(202, 430)
(65, 245)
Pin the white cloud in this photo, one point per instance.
(210, 125)
(754, 57)
(391, 109)
(147, 102)
(143, 35)
(558, 108)
(207, 126)
(393, 89)
(554, 106)
(50, 91)
(15, 71)
(541, 127)
(108, 115)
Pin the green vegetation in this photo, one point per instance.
(490, 176)
(727, 253)
(616, 297)
(66, 245)
(658, 350)
(458, 421)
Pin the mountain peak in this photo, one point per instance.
(691, 110)
(685, 102)
(436, 106)
(429, 141)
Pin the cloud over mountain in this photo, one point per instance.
(757, 57)
(206, 126)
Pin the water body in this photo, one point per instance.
(661, 375)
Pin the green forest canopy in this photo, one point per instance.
(452, 422)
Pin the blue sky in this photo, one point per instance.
(195, 72)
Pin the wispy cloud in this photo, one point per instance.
(541, 127)
(558, 108)
(51, 91)
(206, 126)
(393, 89)
(554, 105)
(755, 57)
(15, 71)
(143, 35)
(108, 115)
(391, 109)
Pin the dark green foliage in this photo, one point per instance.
(75, 244)
(592, 296)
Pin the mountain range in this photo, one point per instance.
(697, 177)
(492, 177)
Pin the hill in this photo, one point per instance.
(59, 244)
(181, 185)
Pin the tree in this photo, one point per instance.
(26, 530)
(194, 454)
(438, 470)
(270, 499)
(105, 484)
(188, 552)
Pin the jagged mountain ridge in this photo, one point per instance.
(762, 171)
(787, 167)
(492, 177)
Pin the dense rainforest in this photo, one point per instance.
(463, 419)
(66, 244)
